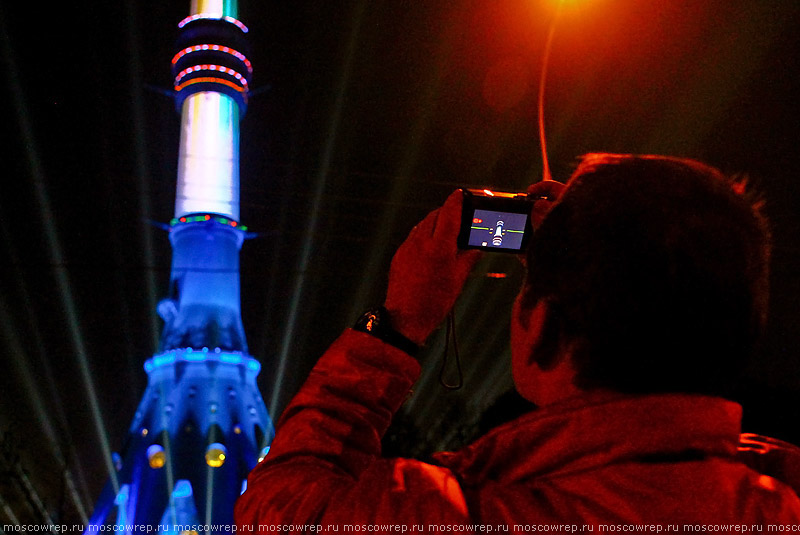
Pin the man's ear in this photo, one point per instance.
(542, 333)
(541, 355)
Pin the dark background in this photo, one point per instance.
(365, 116)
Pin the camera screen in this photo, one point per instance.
(492, 229)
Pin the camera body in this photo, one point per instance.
(496, 221)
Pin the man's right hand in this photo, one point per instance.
(550, 188)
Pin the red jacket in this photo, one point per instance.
(660, 460)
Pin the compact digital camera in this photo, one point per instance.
(496, 221)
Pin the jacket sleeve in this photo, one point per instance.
(324, 465)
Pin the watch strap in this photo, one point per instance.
(375, 321)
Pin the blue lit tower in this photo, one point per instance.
(202, 424)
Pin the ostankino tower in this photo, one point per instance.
(202, 424)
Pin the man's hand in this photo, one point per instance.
(428, 272)
(550, 188)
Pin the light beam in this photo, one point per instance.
(311, 228)
(55, 252)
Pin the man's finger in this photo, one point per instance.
(449, 220)
(549, 188)
(425, 228)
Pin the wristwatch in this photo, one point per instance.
(375, 321)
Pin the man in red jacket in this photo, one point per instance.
(646, 290)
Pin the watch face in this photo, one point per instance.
(371, 321)
(376, 322)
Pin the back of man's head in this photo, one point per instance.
(655, 269)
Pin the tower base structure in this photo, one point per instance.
(201, 425)
(200, 428)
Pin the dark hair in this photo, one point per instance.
(656, 269)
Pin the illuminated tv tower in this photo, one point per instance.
(201, 425)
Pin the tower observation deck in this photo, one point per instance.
(202, 424)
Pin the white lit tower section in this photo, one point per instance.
(202, 424)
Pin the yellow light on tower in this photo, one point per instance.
(156, 456)
(215, 455)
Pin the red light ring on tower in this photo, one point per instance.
(199, 16)
(198, 66)
(216, 48)
(214, 68)
(210, 80)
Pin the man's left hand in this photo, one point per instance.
(428, 272)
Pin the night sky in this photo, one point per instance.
(365, 115)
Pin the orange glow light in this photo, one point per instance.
(210, 79)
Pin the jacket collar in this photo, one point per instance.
(588, 432)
